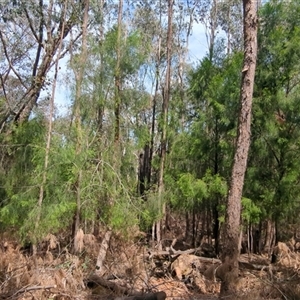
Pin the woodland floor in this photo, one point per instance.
(131, 267)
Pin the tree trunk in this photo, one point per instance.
(269, 237)
(166, 98)
(144, 171)
(216, 225)
(79, 74)
(230, 252)
(48, 142)
(118, 78)
(102, 253)
(187, 226)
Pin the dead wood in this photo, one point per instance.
(102, 253)
(173, 253)
(120, 290)
(95, 280)
(26, 289)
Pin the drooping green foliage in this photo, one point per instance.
(24, 178)
(251, 213)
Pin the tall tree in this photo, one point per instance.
(79, 71)
(49, 136)
(29, 38)
(231, 249)
(164, 123)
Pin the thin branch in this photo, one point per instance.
(32, 288)
(40, 40)
(31, 24)
(9, 62)
(272, 150)
(66, 50)
(4, 91)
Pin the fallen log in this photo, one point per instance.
(94, 280)
(173, 253)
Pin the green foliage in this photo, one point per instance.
(25, 178)
(216, 93)
(150, 211)
(216, 184)
(123, 216)
(272, 176)
(192, 191)
(250, 213)
(132, 53)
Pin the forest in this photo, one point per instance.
(111, 134)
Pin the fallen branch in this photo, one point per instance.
(172, 252)
(28, 289)
(95, 279)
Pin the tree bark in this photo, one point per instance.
(32, 94)
(118, 82)
(79, 75)
(165, 105)
(230, 252)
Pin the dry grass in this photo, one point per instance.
(59, 275)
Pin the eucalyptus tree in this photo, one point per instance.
(79, 71)
(230, 20)
(164, 118)
(108, 104)
(30, 37)
(157, 69)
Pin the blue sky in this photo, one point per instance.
(197, 45)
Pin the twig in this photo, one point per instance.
(32, 288)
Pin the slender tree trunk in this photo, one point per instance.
(48, 142)
(216, 225)
(213, 28)
(166, 98)
(230, 252)
(79, 73)
(100, 80)
(117, 104)
(208, 226)
(118, 77)
(187, 226)
(193, 227)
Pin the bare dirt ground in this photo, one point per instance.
(55, 273)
